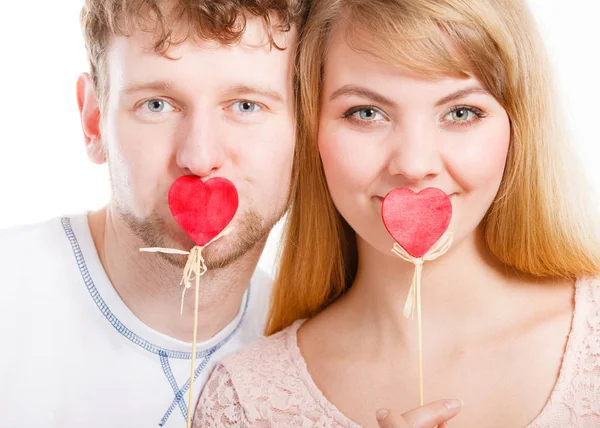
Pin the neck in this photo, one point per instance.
(149, 285)
(466, 291)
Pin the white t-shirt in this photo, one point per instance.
(72, 354)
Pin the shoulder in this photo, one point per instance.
(577, 393)
(35, 244)
(219, 402)
(259, 293)
(585, 331)
(587, 305)
(24, 236)
(38, 269)
(588, 289)
(41, 251)
(264, 383)
(260, 359)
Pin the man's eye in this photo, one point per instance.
(158, 106)
(245, 107)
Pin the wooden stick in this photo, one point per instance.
(414, 295)
(197, 298)
(195, 265)
(419, 268)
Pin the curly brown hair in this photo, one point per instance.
(175, 21)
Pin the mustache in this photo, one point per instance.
(250, 229)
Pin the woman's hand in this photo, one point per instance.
(430, 415)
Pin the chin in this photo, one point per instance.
(248, 229)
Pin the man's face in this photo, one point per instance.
(215, 111)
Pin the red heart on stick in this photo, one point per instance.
(203, 209)
(416, 220)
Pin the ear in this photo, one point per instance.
(87, 101)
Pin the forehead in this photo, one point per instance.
(346, 65)
(252, 60)
(344, 62)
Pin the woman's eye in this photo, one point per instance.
(365, 114)
(463, 117)
(158, 106)
(246, 107)
(461, 114)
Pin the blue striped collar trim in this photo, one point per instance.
(118, 325)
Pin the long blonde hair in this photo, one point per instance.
(540, 222)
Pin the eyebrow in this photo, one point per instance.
(156, 85)
(256, 90)
(361, 92)
(164, 86)
(461, 94)
(380, 99)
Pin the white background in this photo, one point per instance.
(43, 168)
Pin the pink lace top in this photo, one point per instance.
(268, 385)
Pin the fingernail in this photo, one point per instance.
(454, 404)
(382, 414)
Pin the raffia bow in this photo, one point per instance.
(195, 266)
(439, 249)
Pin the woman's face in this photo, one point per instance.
(382, 128)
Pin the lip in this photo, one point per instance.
(380, 198)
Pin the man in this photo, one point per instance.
(91, 330)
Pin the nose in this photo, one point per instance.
(415, 153)
(201, 148)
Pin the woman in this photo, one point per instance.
(427, 93)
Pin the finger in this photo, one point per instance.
(386, 420)
(443, 425)
(429, 416)
(433, 414)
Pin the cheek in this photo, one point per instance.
(145, 147)
(263, 165)
(350, 161)
(274, 171)
(333, 165)
(139, 156)
(478, 162)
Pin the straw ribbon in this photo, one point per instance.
(438, 249)
(195, 266)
